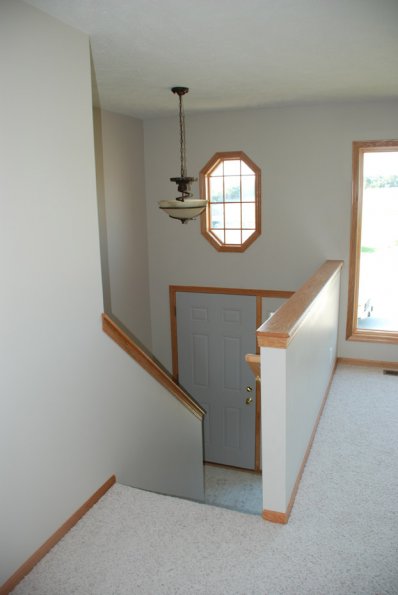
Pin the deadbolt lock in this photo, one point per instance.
(249, 400)
(249, 389)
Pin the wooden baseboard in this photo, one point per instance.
(275, 517)
(371, 363)
(283, 517)
(27, 566)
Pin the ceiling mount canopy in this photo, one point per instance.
(183, 207)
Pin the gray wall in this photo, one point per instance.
(304, 153)
(74, 408)
(119, 148)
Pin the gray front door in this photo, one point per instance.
(214, 333)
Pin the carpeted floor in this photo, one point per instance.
(233, 489)
(342, 537)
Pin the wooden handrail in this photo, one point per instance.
(253, 360)
(280, 329)
(113, 330)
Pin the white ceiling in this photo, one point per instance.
(235, 53)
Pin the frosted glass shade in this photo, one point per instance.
(183, 210)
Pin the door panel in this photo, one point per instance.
(214, 332)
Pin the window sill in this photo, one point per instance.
(373, 336)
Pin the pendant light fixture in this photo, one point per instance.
(183, 207)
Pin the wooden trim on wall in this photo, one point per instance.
(270, 293)
(145, 361)
(355, 241)
(173, 332)
(259, 315)
(281, 328)
(373, 336)
(31, 562)
(257, 449)
(353, 332)
(369, 363)
(253, 361)
(275, 517)
(283, 517)
(204, 191)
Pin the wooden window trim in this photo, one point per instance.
(353, 333)
(204, 178)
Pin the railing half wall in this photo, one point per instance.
(298, 348)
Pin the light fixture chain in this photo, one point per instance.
(179, 208)
(182, 140)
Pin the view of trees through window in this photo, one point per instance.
(378, 264)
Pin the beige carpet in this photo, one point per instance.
(342, 538)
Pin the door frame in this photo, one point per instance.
(259, 294)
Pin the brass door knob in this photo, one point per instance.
(249, 400)
(249, 389)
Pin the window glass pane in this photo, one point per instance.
(248, 188)
(248, 215)
(216, 189)
(246, 234)
(233, 237)
(216, 215)
(232, 188)
(232, 216)
(232, 167)
(219, 170)
(219, 234)
(378, 284)
(246, 170)
(380, 169)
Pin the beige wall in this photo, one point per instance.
(119, 144)
(74, 408)
(304, 153)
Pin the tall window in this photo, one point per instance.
(373, 283)
(231, 182)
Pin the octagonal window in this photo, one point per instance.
(231, 183)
